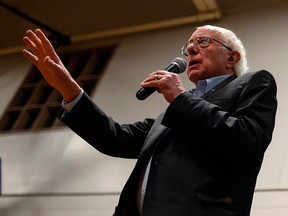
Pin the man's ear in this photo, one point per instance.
(233, 59)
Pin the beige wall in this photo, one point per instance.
(59, 162)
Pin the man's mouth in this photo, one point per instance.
(193, 63)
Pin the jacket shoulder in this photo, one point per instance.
(257, 74)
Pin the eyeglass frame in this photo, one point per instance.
(198, 45)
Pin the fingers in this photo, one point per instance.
(154, 77)
(30, 45)
(34, 43)
(32, 58)
(157, 75)
(159, 78)
(39, 44)
(45, 43)
(39, 47)
(151, 81)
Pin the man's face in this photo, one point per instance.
(206, 62)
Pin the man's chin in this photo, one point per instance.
(194, 75)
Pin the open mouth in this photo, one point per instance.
(194, 62)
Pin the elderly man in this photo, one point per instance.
(202, 155)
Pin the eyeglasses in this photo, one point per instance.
(202, 42)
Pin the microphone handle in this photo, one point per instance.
(143, 93)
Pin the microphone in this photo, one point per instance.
(178, 65)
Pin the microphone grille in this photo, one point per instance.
(181, 63)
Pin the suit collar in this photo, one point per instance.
(155, 134)
(219, 85)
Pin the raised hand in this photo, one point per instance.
(42, 54)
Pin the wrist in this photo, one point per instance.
(71, 92)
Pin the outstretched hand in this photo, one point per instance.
(42, 54)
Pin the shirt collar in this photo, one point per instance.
(206, 85)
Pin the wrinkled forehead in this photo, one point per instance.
(201, 31)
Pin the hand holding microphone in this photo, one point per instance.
(166, 83)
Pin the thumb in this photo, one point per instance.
(50, 63)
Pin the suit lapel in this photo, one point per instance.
(219, 86)
(155, 134)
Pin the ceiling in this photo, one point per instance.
(78, 20)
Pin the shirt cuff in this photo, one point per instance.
(69, 106)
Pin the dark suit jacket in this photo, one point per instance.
(207, 151)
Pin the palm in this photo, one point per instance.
(44, 57)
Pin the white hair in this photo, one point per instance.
(234, 43)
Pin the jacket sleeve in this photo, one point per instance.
(109, 137)
(240, 133)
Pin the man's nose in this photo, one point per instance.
(192, 49)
